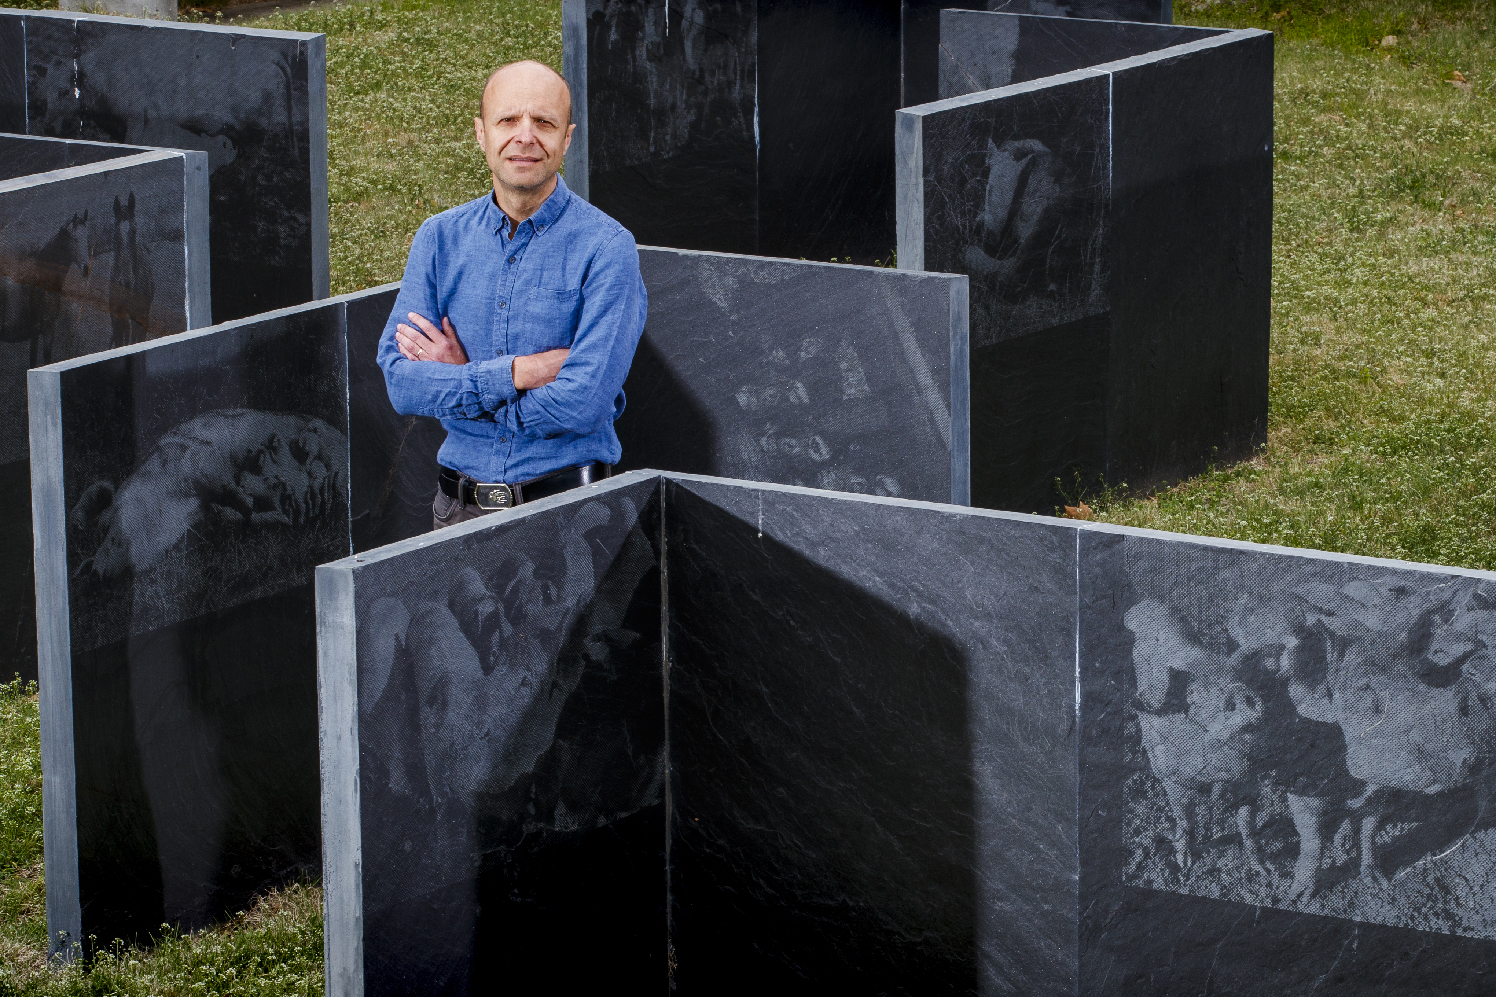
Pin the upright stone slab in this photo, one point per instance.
(912, 748)
(183, 490)
(1099, 351)
(91, 256)
(841, 377)
(871, 750)
(745, 126)
(492, 713)
(759, 126)
(923, 39)
(254, 100)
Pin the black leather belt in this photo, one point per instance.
(494, 495)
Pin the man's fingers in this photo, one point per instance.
(447, 328)
(430, 331)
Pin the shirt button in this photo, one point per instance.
(502, 305)
(511, 259)
(503, 439)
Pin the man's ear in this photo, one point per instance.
(478, 133)
(566, 144)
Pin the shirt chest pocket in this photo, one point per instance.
(551, 317)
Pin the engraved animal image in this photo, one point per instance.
(224, 507)
(1327, 746)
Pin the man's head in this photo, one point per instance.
(524, 124)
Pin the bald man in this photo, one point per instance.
(518, 316)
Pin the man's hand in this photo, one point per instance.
(427, 342)
(538, 368)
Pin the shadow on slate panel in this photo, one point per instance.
(392, 456)
(816, 835)
(1038, 411)
(1274, 727)
(663, 426)
(193, 629)
(12, 75)
(921, 30)
(984, 51)
(826, 94)
(672, 153)
(512, 756)
(1191, 199)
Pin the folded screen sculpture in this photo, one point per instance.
(752, 738)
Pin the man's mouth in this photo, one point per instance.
(523, 159)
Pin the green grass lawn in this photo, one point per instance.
(1381, 435)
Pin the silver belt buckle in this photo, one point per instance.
(492, 496)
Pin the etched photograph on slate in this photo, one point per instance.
(254, 101)
(511, 749)
(816, 374)
(1305, 733)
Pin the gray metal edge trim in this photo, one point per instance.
(195, 245)
(1167, 4)
(181, 337)
(337, 744)
(961, 392)
(54, 661)
(168, 25)
(1178, 51)
(574, 69)
(88, 169)
(897, 274)
(316, 71)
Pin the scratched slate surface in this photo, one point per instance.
(1115, 222)
(253, 100)
(921, 41)
(193, 484)
(509, 754)
(91, 257)
(830, 376)
(738, 126)
(1284, 760)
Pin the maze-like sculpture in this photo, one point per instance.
(778, 729)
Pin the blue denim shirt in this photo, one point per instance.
(568, 277)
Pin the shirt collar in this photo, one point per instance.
(544, 217)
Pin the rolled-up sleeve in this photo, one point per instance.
(588, 392)
(466, 391)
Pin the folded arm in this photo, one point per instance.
(586, 392)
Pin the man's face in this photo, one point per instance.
(524, 129)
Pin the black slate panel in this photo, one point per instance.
(667, 140)
(392, 456)
(254, 100)
(90, 258)
(872, 752)
(1191, 233)
(830, 376)
(826, 96)
(12, 75)
(983, 51)
(1334, 713)
(186, 489)
(920, 41)
(23, 155)
(204, 480)
(1013, 192)
(748, 126)
(509, 753)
